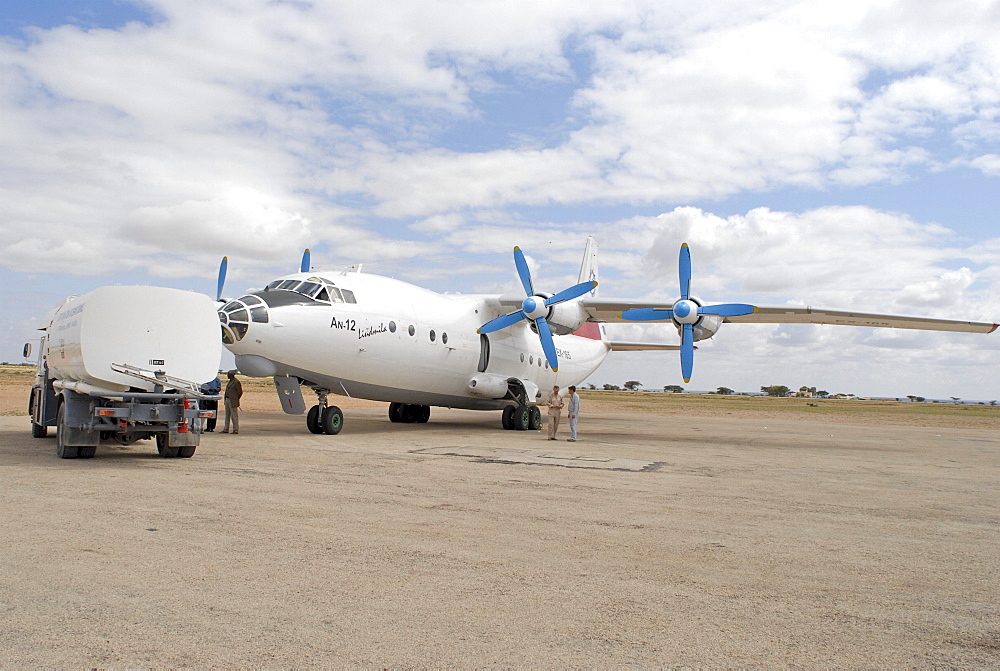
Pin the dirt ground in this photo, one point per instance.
(724, 536)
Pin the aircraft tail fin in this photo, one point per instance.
(588, 268)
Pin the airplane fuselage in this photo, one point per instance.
(377, 338)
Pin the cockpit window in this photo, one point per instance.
(317, 288)
(235, 317)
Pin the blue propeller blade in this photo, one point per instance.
(306, 261)
(684, 270)
(571, 293)
(222, 277)
(548, 346)
(523, 272)
(647, 315)
(502, 322)
(728, 309)
(687, 352)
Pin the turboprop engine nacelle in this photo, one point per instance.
(706, 327)
(566, 318)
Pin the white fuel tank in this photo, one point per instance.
(151, 328)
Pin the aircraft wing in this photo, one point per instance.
(623, 346)
(609, 310)
(809, 315)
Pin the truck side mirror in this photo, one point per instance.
(27, 350)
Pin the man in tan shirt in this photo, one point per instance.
(555, 403)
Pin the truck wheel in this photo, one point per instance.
(37, 430)
(62, 449)
(333, 420)
(86, 452)
(163, 446)
(312, 420)
(187, 451)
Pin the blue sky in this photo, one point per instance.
(843, 157)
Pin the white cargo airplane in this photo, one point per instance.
(372, 337)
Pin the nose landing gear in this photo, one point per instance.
(323, 418)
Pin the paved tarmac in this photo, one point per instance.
(652, 541)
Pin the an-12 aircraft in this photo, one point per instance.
(373, 337)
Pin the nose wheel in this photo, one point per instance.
(324, 418)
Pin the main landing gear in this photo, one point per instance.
(323, 418)
(409, 414)
(521, 417)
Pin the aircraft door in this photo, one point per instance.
(484, 353)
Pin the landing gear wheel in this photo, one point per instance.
(333, 420)
(396, 412)
(522, 418)
(62, 449)
(163, 446)
(423, 413)
(534, 418)
(507, 418)
(312, 420)
(410, 413)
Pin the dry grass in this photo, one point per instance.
(259, 395)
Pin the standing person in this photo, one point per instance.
(573, 412)
(213, 387)
(234, 392)
(555, 404)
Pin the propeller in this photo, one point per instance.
(222, 278)
(687, 312)
(535, 308)
(306, 260)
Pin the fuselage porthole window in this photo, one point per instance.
(444, 338)
(392, 327)
(433, 335)
(522, 357)
(531, 359)
(411, 330)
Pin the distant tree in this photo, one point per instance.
(724, 391)
(776, 390)
(591, 386)
(673, 388)
(633, 385)
(612, 387)
(993, 402)
(915, 399)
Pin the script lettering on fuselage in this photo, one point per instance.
(563, 353)
(372, 330)
(345, 325)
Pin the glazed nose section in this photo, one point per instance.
(237, 315)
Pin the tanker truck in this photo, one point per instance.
(124, 364)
